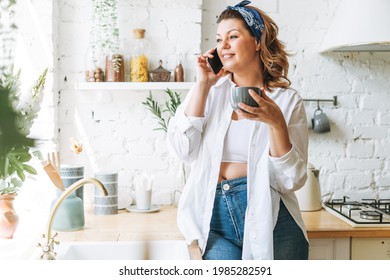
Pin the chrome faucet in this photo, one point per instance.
(48, 247)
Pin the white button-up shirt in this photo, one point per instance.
(199, 141)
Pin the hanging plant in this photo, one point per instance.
(104, 38)
(7, 33)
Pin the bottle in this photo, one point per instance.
(179, 73)
(115, 67)
(139, 63)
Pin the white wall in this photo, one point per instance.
(354, 157)
(115, 128)
(35, 51)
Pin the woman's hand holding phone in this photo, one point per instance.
(214, 62)
(205, 79)
(205, 72)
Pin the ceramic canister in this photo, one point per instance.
(71, 174)
(70, 214)
(106, 205)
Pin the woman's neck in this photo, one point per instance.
(250, 79)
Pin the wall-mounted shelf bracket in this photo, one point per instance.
(334, 100)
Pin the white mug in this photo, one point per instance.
(143, 199)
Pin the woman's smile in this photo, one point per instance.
(227, 56)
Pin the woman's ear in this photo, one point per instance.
(257, 45)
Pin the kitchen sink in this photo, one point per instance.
(123, 250)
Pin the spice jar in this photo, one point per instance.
(160, 74)
(115, 67)
(94, 65)
(139, 63)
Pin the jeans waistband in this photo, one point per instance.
(233, 182)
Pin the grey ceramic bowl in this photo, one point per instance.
(241, 94)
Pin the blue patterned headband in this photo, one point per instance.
(251, 17)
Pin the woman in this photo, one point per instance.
(239, 200)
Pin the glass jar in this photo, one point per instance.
(94, 65)
(160, 74)
(115, 66)
(139, 62)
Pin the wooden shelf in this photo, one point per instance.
(132, 86)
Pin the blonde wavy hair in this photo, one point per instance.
(273, 56)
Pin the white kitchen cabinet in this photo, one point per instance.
(370, 249)
(329, 249)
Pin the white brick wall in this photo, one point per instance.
(115, 128)
(117, 131)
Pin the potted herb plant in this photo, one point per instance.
(17, 115)
(158, 110)
(163, 113)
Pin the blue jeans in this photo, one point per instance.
(227, 227)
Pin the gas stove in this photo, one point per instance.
(363, 213)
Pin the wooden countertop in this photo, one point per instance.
(161, 225)
(126, 226)
(321, 224)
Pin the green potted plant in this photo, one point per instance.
(104, 46)
(158, 110)
(163, 113)
(17, 115)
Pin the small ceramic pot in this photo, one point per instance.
(9, 219)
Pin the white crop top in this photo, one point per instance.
(237, 139)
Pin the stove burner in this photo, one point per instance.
(363, 213)
(351, 205)
(370, 215)
(384, 205)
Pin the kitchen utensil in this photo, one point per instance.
(309, 196)
(54, 159)
(53, 174)
(320, 121)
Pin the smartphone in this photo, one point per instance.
(215, 62)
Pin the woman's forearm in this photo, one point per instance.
(279, 140)
(197, 103)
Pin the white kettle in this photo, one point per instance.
(309, 196)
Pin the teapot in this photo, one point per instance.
(309, 196)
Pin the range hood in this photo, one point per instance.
(359, 26)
